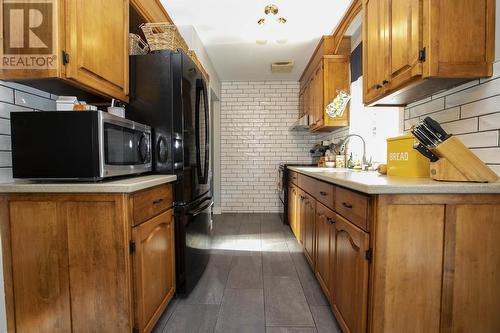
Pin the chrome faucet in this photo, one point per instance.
(343, 144)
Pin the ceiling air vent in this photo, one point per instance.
(282, 66)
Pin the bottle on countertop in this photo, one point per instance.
(350, 162)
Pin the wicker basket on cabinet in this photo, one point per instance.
(163, 36)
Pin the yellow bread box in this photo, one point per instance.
(405, 161)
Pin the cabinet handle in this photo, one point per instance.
(323, 193)
(385, 82)
(347, 205)
(330, 220)
(157, 201)
(378, 86)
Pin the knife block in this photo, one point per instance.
(457, 163)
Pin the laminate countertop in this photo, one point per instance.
(371, 182)
(121, 185)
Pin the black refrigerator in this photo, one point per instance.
(169, 93)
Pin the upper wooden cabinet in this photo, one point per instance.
(411, 48)
(90, 48)
(98, 52)
(330, 75)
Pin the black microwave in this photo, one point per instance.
(78, 145)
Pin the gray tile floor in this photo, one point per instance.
(257, 280)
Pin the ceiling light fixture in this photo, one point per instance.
(273, 27)
(271, 9)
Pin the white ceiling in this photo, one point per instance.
(229, 30)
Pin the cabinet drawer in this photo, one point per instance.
(151, 202)
(325, 193)
(321, 191)
(353, 206)
(293, 177)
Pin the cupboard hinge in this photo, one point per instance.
(131, 247)
(135, 330)
(369, 255)
(421, 54)
(65, 58)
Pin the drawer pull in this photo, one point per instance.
(347, 205)
(323, 193)
(157, 201)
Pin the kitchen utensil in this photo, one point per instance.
(426, 152)
(465, 161)
(438, 130)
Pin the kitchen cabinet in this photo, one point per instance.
(350, 279)
(397, 262)
(412, 48)
(307, 221)
(76, 262)
(330, 76)
(325, 218)
(374, 60)
(293, 210)
(93, 57)
(153, 268)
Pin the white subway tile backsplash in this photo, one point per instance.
(255, 137)
(34, 101)
(480, 139)
(5, 174)
(488, 155)
(6, 94)
(484, 106)
(488, 89)
(446, 115)
(5, 159)
(4, 126)
(462, 126)
(489, 122)
(477, 103)
(5, 143)
(6, 109)
(431, 106)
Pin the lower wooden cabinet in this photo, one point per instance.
(154, 274)
(404, 263)
(75, 263)
(325, 219)
(350, 276)
(307, 218)
(293, 211)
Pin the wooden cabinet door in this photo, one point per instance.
(374, 49)
(308, 100)
(324, 223)
(40, 275)
(471, 292)
(318, 97)
(292, 209)
(101, 299)
(97, 45)
(308, 214)
(461, 38)
(404, 41)
(153, 269)
(351, 276)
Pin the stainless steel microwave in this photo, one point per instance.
(72, 145)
